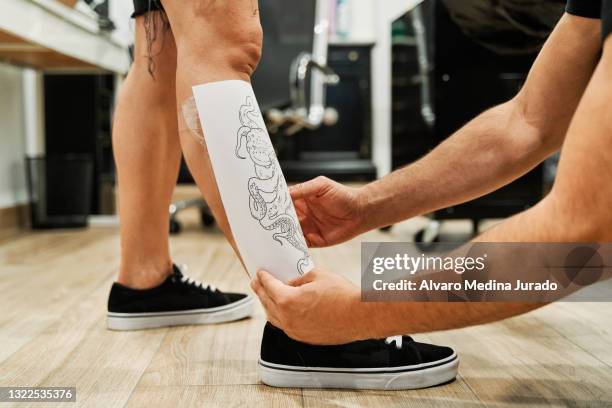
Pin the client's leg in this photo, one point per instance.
(217, 42)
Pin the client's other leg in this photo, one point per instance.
(147, 154)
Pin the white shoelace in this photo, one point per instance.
(398, 340)
(190, 281)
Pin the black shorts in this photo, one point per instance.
(144, 6)
(606, 18)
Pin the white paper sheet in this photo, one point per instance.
(252, 186)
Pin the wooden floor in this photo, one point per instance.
(54, 286)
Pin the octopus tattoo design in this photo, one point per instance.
(269, 200)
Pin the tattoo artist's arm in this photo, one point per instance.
(576, 210)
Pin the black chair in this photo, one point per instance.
(206, 216)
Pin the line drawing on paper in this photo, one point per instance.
(269, 200)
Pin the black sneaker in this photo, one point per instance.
(179, 300)
(395, 363)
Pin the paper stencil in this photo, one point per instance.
(252, 186)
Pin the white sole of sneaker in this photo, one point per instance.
(222, 314)
(396, 378)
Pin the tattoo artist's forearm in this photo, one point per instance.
(487, 153)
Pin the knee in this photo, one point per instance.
(245, 52)
(223, 42)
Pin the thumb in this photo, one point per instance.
(308, 188)
(304, 279)
(272, 286)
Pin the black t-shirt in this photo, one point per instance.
(584, 8)
(593, 9)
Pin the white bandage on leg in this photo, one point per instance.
(252, 186)
(192, 119)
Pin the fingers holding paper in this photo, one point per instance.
(329, 212)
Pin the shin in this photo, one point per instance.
(250, 181)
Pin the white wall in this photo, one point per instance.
(13, 189)
(120, 12)
(386, 12)
(370, 22)
(363, 21)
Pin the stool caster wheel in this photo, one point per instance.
(425, 245)
(175, 226)
(207, 219)
(427, 238)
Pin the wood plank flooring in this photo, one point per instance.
(53, 288)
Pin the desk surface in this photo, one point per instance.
(48, 35)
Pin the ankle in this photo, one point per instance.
(144, 276)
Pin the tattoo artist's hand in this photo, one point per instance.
(317, 308)
(329, 212)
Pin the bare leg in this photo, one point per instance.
(215, 41)
(147, 155)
